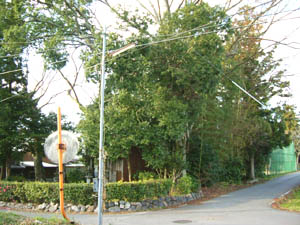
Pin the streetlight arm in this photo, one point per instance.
(123, 49)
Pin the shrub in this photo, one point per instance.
(185, 185)
(209, 169)
(75, 176)
(138, 190)
(6, 192)
(143, 176)
(233, 171)
(39, 192)
(16, 178)
(81, 193)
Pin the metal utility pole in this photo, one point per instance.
(101, 144)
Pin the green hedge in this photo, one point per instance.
(6, 191)
(40, 192)
(138, 190)
(81, 193)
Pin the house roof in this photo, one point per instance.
(31, 164)
(24, 164)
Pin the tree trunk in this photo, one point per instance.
(252, 166)
(122, 174)
(184, 155)
(129, 169)
(3, 169)
(38, 166)
(8, 169)
(173, 180)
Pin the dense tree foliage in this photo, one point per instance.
(15, 101)
(173, 97)
(23, 128)
(176, 101)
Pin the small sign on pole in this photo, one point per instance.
(95, 184)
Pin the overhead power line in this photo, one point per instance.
(162, 41)
(3, 100)
(11, 71)
(176, 36)
(255, 99)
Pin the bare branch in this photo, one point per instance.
(172, 1)
(50, 99)
(155, 16)
(198, 2)
(276, 42)
(167, 5)
(72, 88)
(252, 23)
(180, 4)
(229, 7)
(132, 24)
(44, 89)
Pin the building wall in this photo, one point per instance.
(118, 170)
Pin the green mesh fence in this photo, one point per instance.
(283, 160)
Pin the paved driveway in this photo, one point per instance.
(250, 206)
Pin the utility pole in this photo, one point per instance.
(101, 144)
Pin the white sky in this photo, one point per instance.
(288, 28)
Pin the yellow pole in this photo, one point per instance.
(61, 148)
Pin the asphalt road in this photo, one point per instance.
(250, 206)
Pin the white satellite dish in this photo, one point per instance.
(68, 139)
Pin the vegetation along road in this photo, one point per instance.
(250, 206)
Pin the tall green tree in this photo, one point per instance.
(15, 100)
(255, 70)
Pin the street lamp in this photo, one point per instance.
(101, 142)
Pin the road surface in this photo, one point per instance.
(250, 206)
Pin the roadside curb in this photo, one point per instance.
(110, 207)
(275, 204)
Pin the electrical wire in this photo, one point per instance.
(11, 71)
(176, 34)
(3, 100)
(233, 82)
(181, 37)
(158, 42)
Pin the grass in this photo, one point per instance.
(14, 219)
(270, 177)
(291, 202)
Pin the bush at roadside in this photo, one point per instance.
(81, 193)
(138, 190)
(40, 192)
(185, 185)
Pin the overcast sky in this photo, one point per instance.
(288, 30)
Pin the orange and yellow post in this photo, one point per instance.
(61, 148)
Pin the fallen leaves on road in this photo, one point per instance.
(217, 190)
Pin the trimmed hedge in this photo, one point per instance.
(138, 190)
(40, 192)
(81, 193)
(6, 191)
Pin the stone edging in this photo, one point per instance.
(118, 206)
(145, 205)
